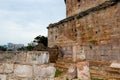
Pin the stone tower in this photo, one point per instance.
(91, 31)
(76, 6)
(90, 24)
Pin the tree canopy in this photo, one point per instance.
(2, 48)
(41, 39)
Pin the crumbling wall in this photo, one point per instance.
(29, 65)
(94, 32)
(93, 35)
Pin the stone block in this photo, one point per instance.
(41, 57)
(80, 54)
(72, 72)
(1, 67)
(11, 77)
(3, 77)
(23, 71)
(116, 46)
(83, 72)
(8, 67)
(44, 71)
(39, 78)
(19, 78)
(115, 65)
(1, 56)
(37, 70)
(21, 57)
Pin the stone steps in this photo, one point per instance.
(66, 60)
(63, 64)
(102, 69)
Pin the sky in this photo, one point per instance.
(22, 20)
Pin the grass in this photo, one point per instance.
(67, 79)
(58, 73)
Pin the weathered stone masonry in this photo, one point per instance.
(75, 6)
(25, 65)
(91, 31)
(94, 32)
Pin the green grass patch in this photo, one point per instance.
(58, 73)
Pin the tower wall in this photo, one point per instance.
(76, 6)
(97, 34)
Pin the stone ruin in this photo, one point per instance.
(29, 65)
(86, 44)
(89, 33)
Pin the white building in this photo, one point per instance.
(13, 47)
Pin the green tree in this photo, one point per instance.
(41, 39)
(30, 46)
(2, 48)
(21, 49)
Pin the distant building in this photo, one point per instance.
(14, 47)
(5, 46)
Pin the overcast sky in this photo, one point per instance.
(22, 20)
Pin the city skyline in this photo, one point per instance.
(21, 21)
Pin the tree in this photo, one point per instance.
(30, 46)
(41, 39)
(21, 49)
(2, 48)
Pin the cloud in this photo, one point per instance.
(17, 34)
(22, 20)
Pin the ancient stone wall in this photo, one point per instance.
(76, 6)
(94, 32)
(29, 65)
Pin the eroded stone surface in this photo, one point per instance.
(74, 7)
(83, 72)
(115, 65)
(1, 67)
(97, 33)
(3, 77)
(8, 68)
(72, 72)
(44, 71)
(23, 71)
(38, 57)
